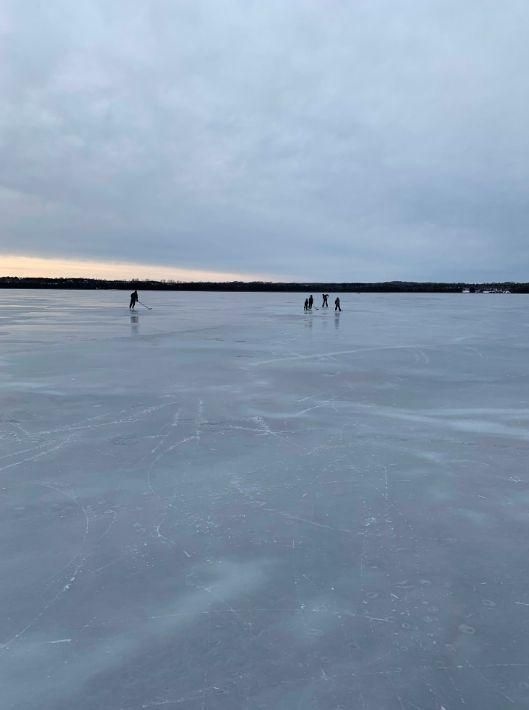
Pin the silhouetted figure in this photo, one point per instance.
(311, 301)
(134, 298)
(337, 306)
(325, 296)
(306, 308)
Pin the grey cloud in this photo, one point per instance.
(330, 140)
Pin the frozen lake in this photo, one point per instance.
(224, 503)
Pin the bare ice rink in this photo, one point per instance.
(224, 503)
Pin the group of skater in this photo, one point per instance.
(309, 302)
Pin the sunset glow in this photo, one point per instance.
(32, 266)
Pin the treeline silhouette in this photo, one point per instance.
(314, 286)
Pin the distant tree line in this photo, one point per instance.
(315, 286)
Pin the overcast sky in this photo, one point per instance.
(299, 139)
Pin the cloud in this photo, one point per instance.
(318, 139)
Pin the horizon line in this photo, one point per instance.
(169, 282)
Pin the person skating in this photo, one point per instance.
(325, 296)
(134, 298)
(337, 306)
(311, 301)
(306, 307)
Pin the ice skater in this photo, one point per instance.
(311, 301)
(337, 306)
(306, 307)
(324, 304)
(134, 298)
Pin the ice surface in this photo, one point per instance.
(224, 503)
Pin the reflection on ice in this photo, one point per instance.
(243, 506)
(134, 323)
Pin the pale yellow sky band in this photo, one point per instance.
(13, 265)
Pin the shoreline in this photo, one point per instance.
(75, 284)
